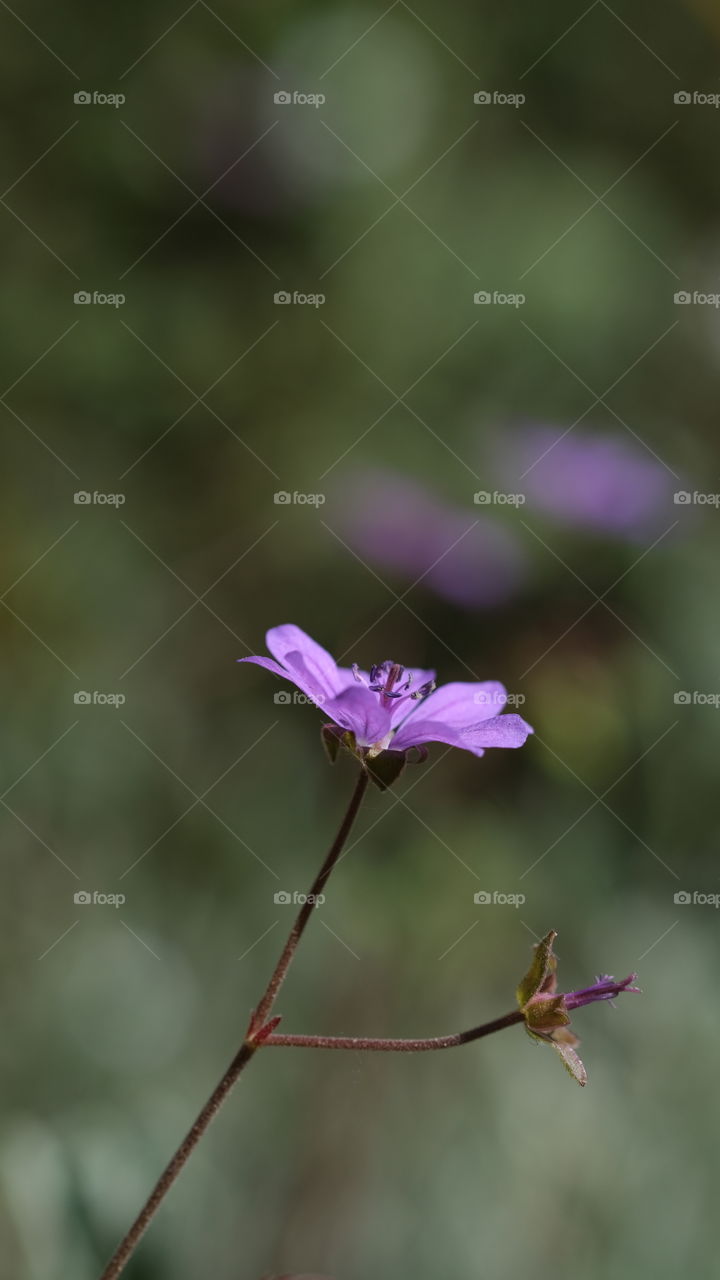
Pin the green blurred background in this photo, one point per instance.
(198, 399)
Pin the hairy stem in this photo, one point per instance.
(265, 1005)
(130, 1242)
(397, 1046)
(254, 1039)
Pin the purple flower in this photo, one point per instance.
(465, 556)
(547, 1016)
(596, 480)
(604, 988)
(393, 706)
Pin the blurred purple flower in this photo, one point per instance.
(466, 557)
(391, 706)
(600, 481)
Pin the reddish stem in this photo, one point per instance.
(257, 1035)
(129, 1243)
(260, 1015)
(397, 1046)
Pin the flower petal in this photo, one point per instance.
(416, 731)
(296, 673)
(501, 731)
(461, 704)
(318, 663)
(360, 710)
(307, 680)
(269, 665)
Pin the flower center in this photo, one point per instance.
(391, 681)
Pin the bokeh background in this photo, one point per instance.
(377, 402)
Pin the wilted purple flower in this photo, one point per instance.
(393, 706)
(599, 481)
(604, 988)
(466, 557)
(547, 1014)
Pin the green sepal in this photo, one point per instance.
(333, 738)
(546, 1012)
(385, 768)
(330, 741)
(563, 1042)
(571, 1061)
(542, 968)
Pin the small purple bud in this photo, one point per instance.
(604, 988)
(546, 1012)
